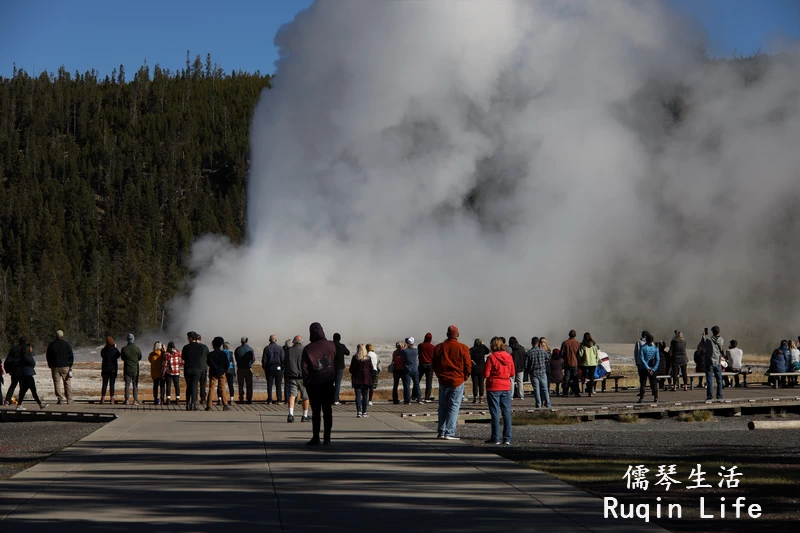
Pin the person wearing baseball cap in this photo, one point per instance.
(411, 356)
(452, 365)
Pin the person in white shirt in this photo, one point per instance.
(734, 356)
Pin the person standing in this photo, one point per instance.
(319, 377)
(60, 360)
(230, 373)
(638, 347)
(217, 361)
(477, 355)
(272, 363)
(680, 360)
(131, 355)
(192, 354)
(361, 374)
(399, 372)
(411, 357)
(376, 370)
(25, 375)
(499, 372)
(649, 358)
(294, 378)
(109, 368)
(453, 366)
(569, 352)
(286, 346)
(518, 354)
(156, 360)
(14, 361)
(537, 364)
(557, 371)
(587, 358)
(425, 371)
(341, 353)
(245, 359)
(203, 381)
(172, 372)
(713, 359)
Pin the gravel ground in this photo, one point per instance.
(23, 444)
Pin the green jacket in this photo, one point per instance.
(588, 356)
(131, 355)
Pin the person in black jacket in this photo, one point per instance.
(25, 373)
(339, 364)
(518, 354)
(679, 360)
(193, 354)
(272, 363)
(245, 357)
(109, 368)
(319, 377)
(478, 354)
(217, 368)
(14, 360)
(60, 360)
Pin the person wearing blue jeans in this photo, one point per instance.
(452, 364)
(537, 362)
(500, 404)
(713, 373)
(499, 369)
(714, 351)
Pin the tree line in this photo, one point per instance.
(104, 185)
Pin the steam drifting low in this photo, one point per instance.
(511, 167)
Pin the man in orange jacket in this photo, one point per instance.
(452, 365)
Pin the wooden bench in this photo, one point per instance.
(602, 381)
(776, 382)
(691, 375)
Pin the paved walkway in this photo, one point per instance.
(251, 471)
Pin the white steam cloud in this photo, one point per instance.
(512, 168)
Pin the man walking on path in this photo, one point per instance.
(319, 377)
(245, 358)
(60, 360)
(131, 355)
(425, 371)
(272, 363)
(412, 369)
(14, 360)
(339, 363)
(518, 354)
(452, 365)
(538, 361)
(569, 351)
(294, 379)
(217, 368)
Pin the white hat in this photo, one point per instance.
(410, 340)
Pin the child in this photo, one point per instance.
(557, 371)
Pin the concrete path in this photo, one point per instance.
(251, 471)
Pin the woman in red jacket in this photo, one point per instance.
(498, 371)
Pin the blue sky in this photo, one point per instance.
(101, 34)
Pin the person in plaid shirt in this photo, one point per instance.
(536, 364)
(171, 371)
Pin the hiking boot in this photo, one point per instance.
(290, 418)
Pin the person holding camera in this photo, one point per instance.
(649, 358)
(714, 352)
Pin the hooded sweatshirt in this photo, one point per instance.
(498, 371)
(318, 357)
(714, 351)
(777, 362)
(556, 367)
(519, 355)
(451, 360)
(426, 350)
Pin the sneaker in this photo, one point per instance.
(158, 401)
(305, 419)
(365, 415)
(440, 436)
(491, 441)
(507, 443)
(451, 437)
(20, 408)
(136, 403)
(358, 415)
(43, 406)
(369, 402)
(337, 403)
(314, 442)
(290, 418)
(123, 403)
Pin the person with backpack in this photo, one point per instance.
(272, 363)
(319, 377)
(13, 361)
(245, 358)
(714, 352)
(109, 368)
(399, 372)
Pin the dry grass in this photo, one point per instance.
(696, 416)
(628, 418)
